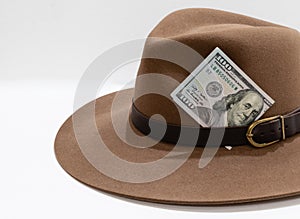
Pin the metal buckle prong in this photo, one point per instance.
(282, 127)
(249, 133)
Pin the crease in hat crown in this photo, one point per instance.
(268, 53)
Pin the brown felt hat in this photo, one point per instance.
(268, 53)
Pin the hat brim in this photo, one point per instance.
(243, 174)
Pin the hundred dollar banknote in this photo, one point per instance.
(219, 94)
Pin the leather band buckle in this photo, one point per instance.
(250, 135)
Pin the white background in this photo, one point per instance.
(45, 46)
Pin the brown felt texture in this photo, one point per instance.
(268, 53)
(243, 174)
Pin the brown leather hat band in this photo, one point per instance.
(262, 133)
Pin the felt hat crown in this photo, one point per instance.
(268, 53)
(270, 56)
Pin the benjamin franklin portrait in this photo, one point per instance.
(239, 109)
